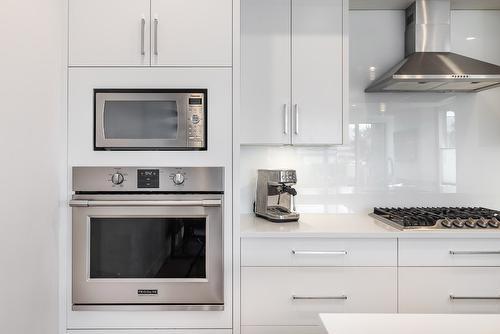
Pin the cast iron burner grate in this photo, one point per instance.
(439, 217)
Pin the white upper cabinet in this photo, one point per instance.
(317, 62)
(191, 32)
(265, 72)
(150, 32)
(293, 71)
(109, 33)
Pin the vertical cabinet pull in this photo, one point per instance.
(285, 119)
(296, 119)
(155, 47)
(143, 29)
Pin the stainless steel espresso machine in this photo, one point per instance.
(275, 198)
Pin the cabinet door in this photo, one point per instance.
(109, 33)
(283, 330)
(265, 72)
(449, 290)
(191, 32)
(317, 63)
(294, 296)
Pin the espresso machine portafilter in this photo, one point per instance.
(275, 195)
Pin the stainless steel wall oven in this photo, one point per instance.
(147, 238)
(150, 119)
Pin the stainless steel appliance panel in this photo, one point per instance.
(168, 291)
(150, 119)
(125, 179)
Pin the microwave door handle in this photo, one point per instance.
(91, 203)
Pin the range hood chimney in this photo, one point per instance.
(429, 66)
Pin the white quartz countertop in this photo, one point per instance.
(410, 323)
(345, 226)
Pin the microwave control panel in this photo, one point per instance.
(196, 120)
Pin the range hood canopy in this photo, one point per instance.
(429, 65)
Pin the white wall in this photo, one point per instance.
(32, 146)
(403, 149)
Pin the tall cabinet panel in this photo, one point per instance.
(109, 33)
(191, 32)
(317, 52)
(265, 72)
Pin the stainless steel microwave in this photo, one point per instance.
(150, 119)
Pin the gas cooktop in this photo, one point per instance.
(439, 218)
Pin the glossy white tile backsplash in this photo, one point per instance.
(404, 149)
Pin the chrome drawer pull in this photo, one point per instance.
(341, 297)
(452, 297)
(474, 252)
(311, 252)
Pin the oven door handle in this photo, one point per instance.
(89, 203)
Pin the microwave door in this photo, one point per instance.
(140, 120)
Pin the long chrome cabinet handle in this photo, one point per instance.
(143, 29)
(341, 297)
(155, 25)
(296, 119)
(89, 203)
(311, 252)
(452, 252)
(285, 119)
(452, 297)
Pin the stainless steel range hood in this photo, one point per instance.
(429, 65)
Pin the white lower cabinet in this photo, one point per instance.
(293, 296)
(318, 252)
(449, 290)
(151, 331)
(283, 330)
(449, 252)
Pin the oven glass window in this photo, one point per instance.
(140, 119)
(147, 247)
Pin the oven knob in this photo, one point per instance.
(117, 178)
(178, 178)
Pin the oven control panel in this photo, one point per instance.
(148, 178)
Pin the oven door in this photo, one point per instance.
(160, 254)
(141, 120)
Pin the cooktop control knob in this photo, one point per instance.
(117, 178)
(447, 222)
(458, 223)
(178, 178)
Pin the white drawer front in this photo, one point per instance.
(267, 293)
(318, 252)
(282, 330)
(428, 290)
(150, 331)
(449, 252)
